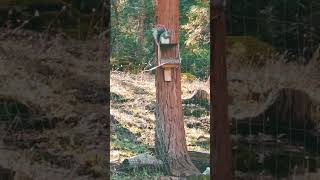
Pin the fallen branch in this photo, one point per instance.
(198, 95)
(140, 161)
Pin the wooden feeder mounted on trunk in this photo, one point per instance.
(165, 45)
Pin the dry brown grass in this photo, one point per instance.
(56, 75)
(139, 92)
(249, 87)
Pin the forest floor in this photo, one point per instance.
(133, 98)
(132, 110)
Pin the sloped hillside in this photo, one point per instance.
(133, 119)
(132, 108)
(52, 107)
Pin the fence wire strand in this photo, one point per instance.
(295, 152)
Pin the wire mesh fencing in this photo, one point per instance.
(272, 71)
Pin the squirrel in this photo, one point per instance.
(160, 31)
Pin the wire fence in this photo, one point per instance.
(277, 138)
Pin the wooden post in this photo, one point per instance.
(170, 138)
(221, 154)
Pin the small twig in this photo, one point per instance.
(54, 19)
(20, 27)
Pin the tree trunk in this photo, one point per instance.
(116, 24)
(140, 31)
(219, 124)
(170, 134)
(170, 143)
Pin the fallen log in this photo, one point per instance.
(198, 95)
(201, 160)
(141, 161)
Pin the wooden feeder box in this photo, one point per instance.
(168, 62)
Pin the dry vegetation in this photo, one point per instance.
(132, 109)
(132, 105)
(61, 82)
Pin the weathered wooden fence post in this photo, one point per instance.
(170, 142)
(221, 153)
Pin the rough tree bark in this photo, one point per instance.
(219, 124)
(170, 143)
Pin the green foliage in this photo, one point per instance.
(195, 38)
(197, 28)
(74, 18)
(128, 55)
